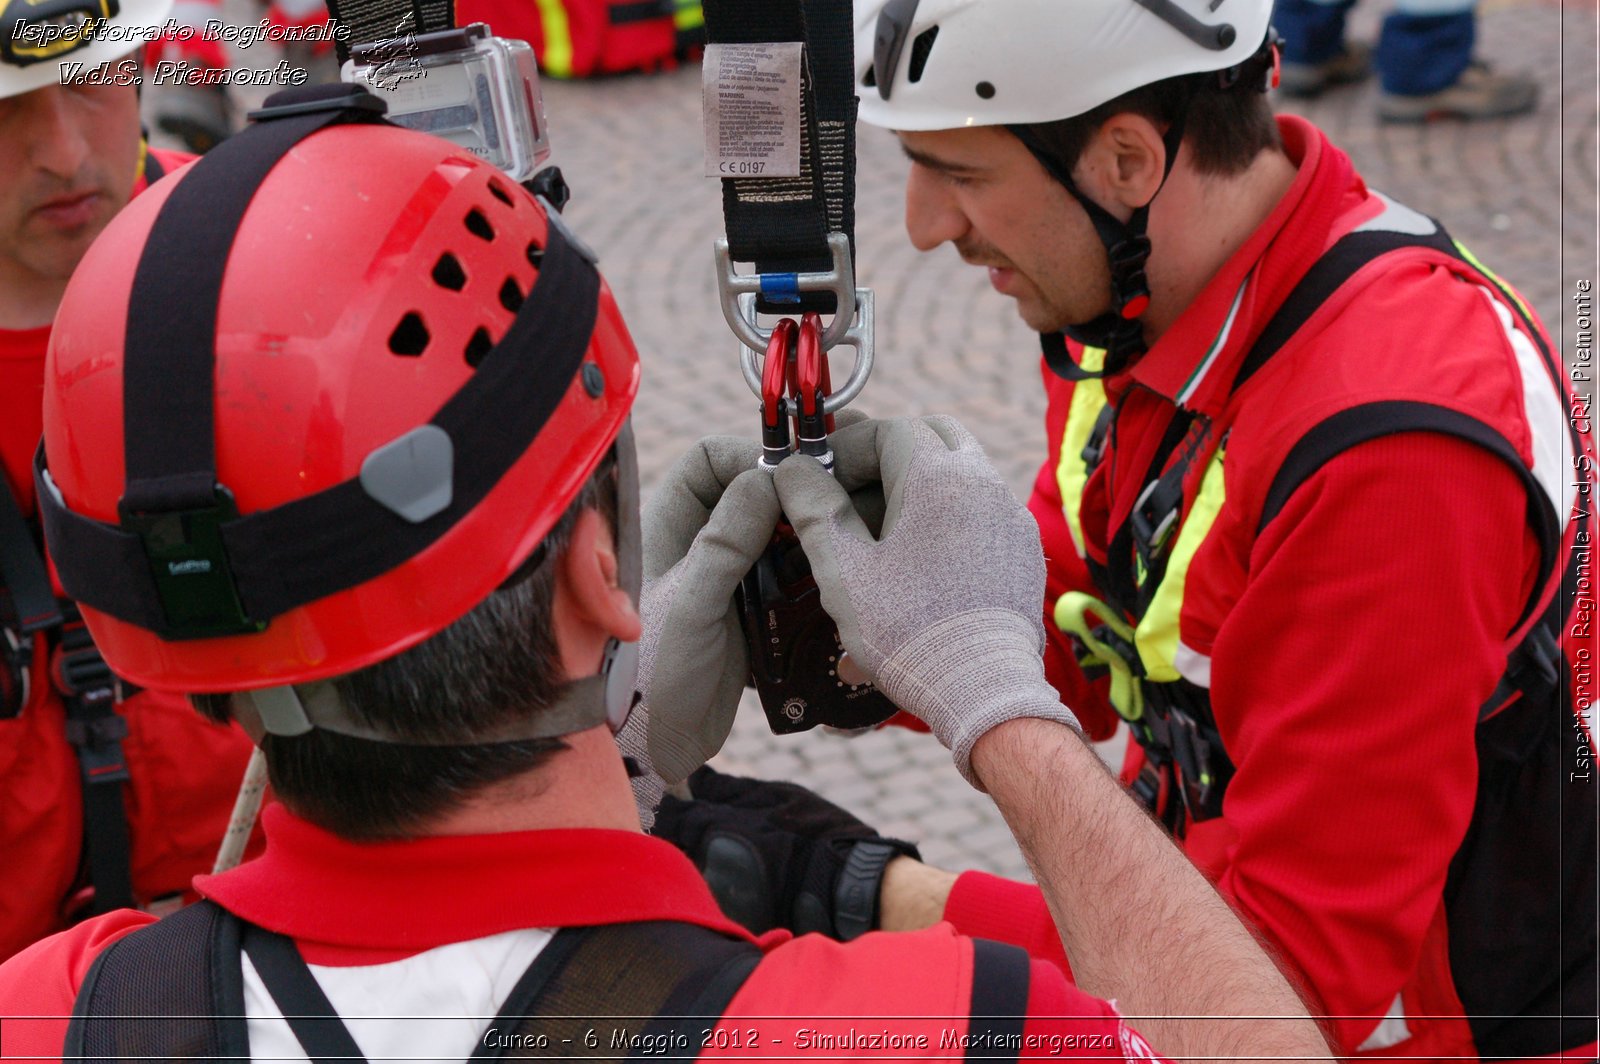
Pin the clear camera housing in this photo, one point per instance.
(475, 90)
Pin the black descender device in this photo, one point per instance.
(798, 664)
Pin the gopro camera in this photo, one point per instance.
(475, 90)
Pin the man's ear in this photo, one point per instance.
(587, 580)
(1123, 165)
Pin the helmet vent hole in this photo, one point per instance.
(511, 295)
(447, 273)
(478, 225)
(498, 191)
(535, 256)
(869, 80)
(478, 346)
(985, 90)
(921, 46)
(410, 338)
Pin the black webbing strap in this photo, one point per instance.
(22, 569)
(301, 1000)
(782, 223)
(168, 433)
(1336, 266)
(321, 544)
(702, 996)
(171, 991)
(379, 20)
(96, 730)
(1359, 424)
(1000, 976)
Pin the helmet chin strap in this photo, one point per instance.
(619, 665)
(606, 697)
(1118, 331)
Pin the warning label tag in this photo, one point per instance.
(751, 99)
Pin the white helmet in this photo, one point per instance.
(39, 38)
(945, 64)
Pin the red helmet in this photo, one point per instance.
(315, 397)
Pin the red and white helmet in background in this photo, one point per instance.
(38, 38)
(924, 65)
(949, 64)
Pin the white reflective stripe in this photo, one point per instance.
(1192, 665)
(1542, 406)
(428, 1006)
(1398, 218)
(1391, 1032)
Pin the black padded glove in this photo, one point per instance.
(777, 855)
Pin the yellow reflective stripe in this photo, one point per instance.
(1510, 292)
(1088, 398)
(144, 153)
(557, 59)
(688, 15)
(1157, 634)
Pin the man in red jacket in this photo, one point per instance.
(374, 494)
(1317, 505)
(71, 156)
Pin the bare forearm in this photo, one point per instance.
(1141, 924)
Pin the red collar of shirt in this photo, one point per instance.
(1194, 361)
(375, 901)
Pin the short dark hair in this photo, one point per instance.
(1225, 128)
(496, 664)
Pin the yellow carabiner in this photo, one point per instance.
(1072, 615)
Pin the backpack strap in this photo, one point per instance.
(1000, 981)
(610, 991)
(127, 1010)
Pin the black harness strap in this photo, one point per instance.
(89, 693)
(301, 1000)
(782, 224)
(95, 729)
(22, 570)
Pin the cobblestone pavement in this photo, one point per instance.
(1521, 193)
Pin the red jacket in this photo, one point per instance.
(185, 772)
(1347, 641)
(357, 904)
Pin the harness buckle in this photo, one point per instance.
(1154, 513)
(16, 667)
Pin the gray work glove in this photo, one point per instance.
(706, 525)
(943, 609)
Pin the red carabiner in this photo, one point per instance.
(812, 426)
(775, 377)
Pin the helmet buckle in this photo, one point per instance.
(189, 565)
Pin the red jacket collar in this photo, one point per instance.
(1194, 361)
(418, 894)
